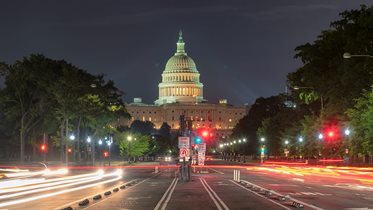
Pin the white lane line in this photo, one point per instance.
(216, 171)
(97, 202)
(91, 196)
(211, 196)
(164, 195)
(214, 193)
(260, 195)
(169, 195)
(278, 194)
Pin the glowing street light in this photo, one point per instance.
(239, 141)
(300, 139)
(244, 140)
(221, 145)
(89, 139)
(100, 142)
(347, 132)
(320, 136)
(286, 142)
(129, 138)
(262, 139)
(72, 137)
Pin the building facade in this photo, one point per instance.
(181, 93)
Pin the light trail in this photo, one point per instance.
(20, 182)
(54, 183)
(19, 201)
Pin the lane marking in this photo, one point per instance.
(91, 196)
(97, 202)
(169, 195)
(165, 194)
(278, 194)
(118, 186)
(212, 197)
(214, 193)
(216, 171)
(279, 204)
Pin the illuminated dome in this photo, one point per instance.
(180, 79)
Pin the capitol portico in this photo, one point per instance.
(181, 93)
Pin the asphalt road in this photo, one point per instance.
(260, 187)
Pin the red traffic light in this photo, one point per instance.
(205, 133)
(106, 154)
(69, 150)
(43, 147)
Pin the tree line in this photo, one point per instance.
(328, 110)
(46, 97)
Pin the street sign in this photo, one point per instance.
(184, 142)
(184, 152)
(202, 147)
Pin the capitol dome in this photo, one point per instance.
(180, 79)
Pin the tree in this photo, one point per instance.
(144, 127)
(361, 120)
(24, 99)
(330, 77)
(135, 146)
(249, 124)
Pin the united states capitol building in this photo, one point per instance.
(181, 93)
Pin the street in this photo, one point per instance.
(212, 187)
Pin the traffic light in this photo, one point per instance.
(43, 147)
(69, 150)
(106, 154)
(263, 149)
(197, 140)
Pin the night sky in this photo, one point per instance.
(243, 49)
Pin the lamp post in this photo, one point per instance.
(129, 139)
(347, 55)
(109, 142)
(262, 147)
(72, 138)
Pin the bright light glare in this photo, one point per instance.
(72, 137)
(321, 136)
(330, 134)
(221, 145)
(347, 132)
(89, 139)
(262, 139)
(51, 186)
(244, 140)
(300, 139)
(100, 142)
(286, 142)
(59, 192)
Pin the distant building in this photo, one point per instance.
(181, 93)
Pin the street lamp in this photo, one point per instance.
(244, 140)
(89, 139)
(286, 142)
(347, 55)
(320, 136)
(262, 139)
(300, 139)
(347, 132)
(129, 138)
(72, 137)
